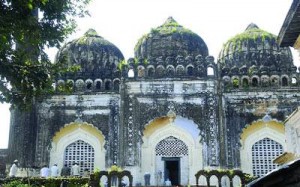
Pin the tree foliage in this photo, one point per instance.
(27, 28)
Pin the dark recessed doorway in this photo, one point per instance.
(172, 170)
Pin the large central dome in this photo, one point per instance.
(170, 39)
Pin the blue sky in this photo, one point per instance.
(124, 22)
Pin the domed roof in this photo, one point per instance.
(254, 47)
(97, 57)
(170, 40)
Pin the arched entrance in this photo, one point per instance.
(172, 154)
(171, 149)
(78, 142)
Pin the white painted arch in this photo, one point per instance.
(72, 132)
(260, 130)
(182, 132)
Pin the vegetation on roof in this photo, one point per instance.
(91, 32)
(136, 62)
(121, 64)
(253, 34)
(167, 28)
(88, 39)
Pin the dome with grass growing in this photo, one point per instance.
(254, 47)
(97, 57)
(170, 40)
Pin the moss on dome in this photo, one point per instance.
(169, 27)
(90, 37)
(251, 33)
(91, 32)
(254, 47)
(170, 39)
(94, 54)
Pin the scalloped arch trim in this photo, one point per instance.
(156, 123)
(73, 126)
(259, 125)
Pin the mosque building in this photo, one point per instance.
(170, 111)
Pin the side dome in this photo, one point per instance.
(254, 47)
(170, 40)
(97, 57)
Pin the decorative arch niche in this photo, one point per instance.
(72, 133)
(168, 129)
(257, 132)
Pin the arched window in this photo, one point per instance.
(98, 85)
(210, 71)
(130, 73)
(70, 85)
(60, 85)
(150, 72)
(284, 81)
(141, 71)
(79, 85)
(274, 81)
(180, 70)
(160, 71)
(263, 153)
(108, 85)
(245, 83)
(170, 71)
(81, 153)
(116, 85)
(226, 81)
(89, 85)
(294, 80)
(235, 83)
(254, 82)
(190, 70)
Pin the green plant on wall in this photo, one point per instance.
(139, 43)
(245, 83)
(135, 62)
(235, 83)
(122, 64)
(146, 62)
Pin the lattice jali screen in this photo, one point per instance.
(171, 147)
(263, 153)
(82, 153)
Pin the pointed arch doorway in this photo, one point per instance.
(171, 149)
(172, 153)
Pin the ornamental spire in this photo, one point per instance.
(91, 32)
(252, 26)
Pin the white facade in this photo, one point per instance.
(292, 133)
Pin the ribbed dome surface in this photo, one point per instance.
(254, 47)
(96, 56)
(170, 40)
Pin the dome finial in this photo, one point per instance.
(170, 21)
(252, 26)
(91, 32)
(170, 40)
